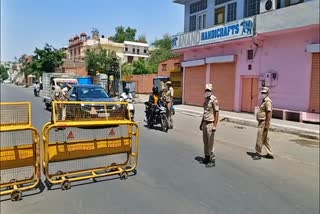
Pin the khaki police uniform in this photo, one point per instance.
(169, 98)
(61, 95)
(211, 106)
(262, 135)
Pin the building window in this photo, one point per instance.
(193, 23)
(202, 21)
(164, 67)
(251, 7)
(293, 2)
(221, 1)
(133, 50)
(138, 50)
(126, 49)
(198, 6)
(219, 16)
(145, 51)
(250, 54)
(232, 12)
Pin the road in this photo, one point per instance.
(171, 180)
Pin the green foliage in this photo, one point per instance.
(99, 60)
(47, 59)
(127, 68)
(4, 72)
(142, 39)
(123, 34)
(162, 52)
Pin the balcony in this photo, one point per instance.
(295, 16)
(135, 53)
(180, 1)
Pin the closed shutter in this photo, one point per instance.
(195, 79)
(314, 103)
(222, 76)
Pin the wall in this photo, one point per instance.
(170, 65)
(143, 82)
(281, 52)
(80, 71)
(283, 19)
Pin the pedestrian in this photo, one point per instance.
(208, 125)
(169, 96)
(264, 117)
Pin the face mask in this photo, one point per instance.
(264, 96)
(207, 94)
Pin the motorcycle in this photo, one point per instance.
(128, 98)
(156, 115)
(36, 92)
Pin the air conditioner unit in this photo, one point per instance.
(267, 5)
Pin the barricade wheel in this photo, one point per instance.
(59, 172)
(134, 171)
(123, 175)
(66, 185)
(16, 195)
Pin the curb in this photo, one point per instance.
(305, 133)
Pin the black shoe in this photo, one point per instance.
(211, 164)
(205, 160)
(269, 156)
(256, 157)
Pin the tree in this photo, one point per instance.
(142, 39)
(123, 34)
(141, 67)
(47, 59)
(127, 69)
(99, 60)
(4, 72)
(162, 52)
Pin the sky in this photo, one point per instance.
(27, 24)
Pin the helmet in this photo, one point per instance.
(155, 89)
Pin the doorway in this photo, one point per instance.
(249, 98)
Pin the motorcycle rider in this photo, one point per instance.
(127, 97)
(153, 100)
(36, 88)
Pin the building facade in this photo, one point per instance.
(135, 50)
(240, 46)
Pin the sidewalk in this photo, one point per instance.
(301, 129)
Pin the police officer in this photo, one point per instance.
(169, 97)
(263, 117)
(208, 125)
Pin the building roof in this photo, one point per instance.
(136, 43)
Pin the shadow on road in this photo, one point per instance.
(199, 159)
(251, 154)
(41, 187)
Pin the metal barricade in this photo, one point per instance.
(19, 150)
(87, 140)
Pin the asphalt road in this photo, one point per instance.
(171, 180)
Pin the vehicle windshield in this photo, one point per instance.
(92, 93)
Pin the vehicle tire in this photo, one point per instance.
(164, 123)
(47, 106)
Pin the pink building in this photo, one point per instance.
(275, 48)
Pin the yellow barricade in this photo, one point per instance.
(87, 140)
(19, 150)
